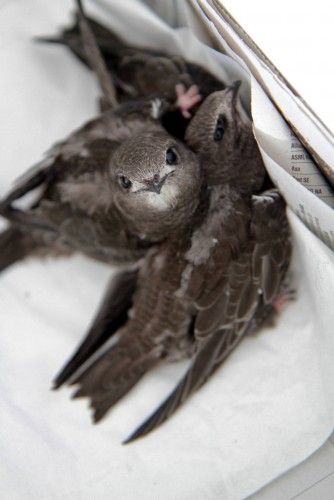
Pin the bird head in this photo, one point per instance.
(156, 183)
(221, 133)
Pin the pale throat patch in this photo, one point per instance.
(156, 106)
(166, 199)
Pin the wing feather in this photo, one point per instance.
(211, 301)
(244, 279)
(208, 359)
(110, 317)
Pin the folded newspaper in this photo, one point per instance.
(272, 404)
(291, 137)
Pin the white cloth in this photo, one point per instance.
(266, 409)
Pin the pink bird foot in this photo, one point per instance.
(285, 296)
(187, 98)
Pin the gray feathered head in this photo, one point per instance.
(221, 133)
(156, 182)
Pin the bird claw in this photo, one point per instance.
(187, 98)
(285, 296)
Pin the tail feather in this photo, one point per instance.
(110, 317)
(109, 44)
(14, 246)
(115, 373)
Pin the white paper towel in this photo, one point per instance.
(270, 405)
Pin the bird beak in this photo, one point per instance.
(234, 88)
(155, 184)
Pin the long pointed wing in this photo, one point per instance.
(65, 184)
(209, 358)
(116, 372)
(143, 340)
(119, 367)
(111, 315)
(229, 295)
(36, 179)
(95, 57)
(210, 292)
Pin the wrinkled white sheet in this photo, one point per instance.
(268, 408)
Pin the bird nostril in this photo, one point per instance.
(155, 183)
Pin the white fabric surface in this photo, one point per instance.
(270, 406)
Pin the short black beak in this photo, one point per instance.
(155, 184)
(234, 88)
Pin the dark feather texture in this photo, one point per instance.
(214, 247)
(111, 316)
(138, 71)
(204, 365)
(80, 204)
(165, 321)
(95, 58)
(14, 246)
(201, 291)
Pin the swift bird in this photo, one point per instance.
(108, 199)
(221, 134)
(79, 208)
(110, 205)
(96, 197)
(139, 72)
(202, 290)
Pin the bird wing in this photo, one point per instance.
(95, 58)
(111, 315)
(115, 372)
(131, 67)
(70, 181)
(144, 340)
(70, 157)
(111, 46)
(81, 153)
(74, 210)
(228, 289)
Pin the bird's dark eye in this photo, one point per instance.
(125, 182)
(171, 158)
(220, 129)
(219, 133)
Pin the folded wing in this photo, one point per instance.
(233, 290)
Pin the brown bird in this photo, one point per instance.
(137, 72)
(106, 199)
(200, 292)
(221, 134)
(97, 198)
(110, 190)
(111, 202)
(210, 122)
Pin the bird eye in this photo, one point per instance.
(124, 182)
(220, 129)
(171, 158)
